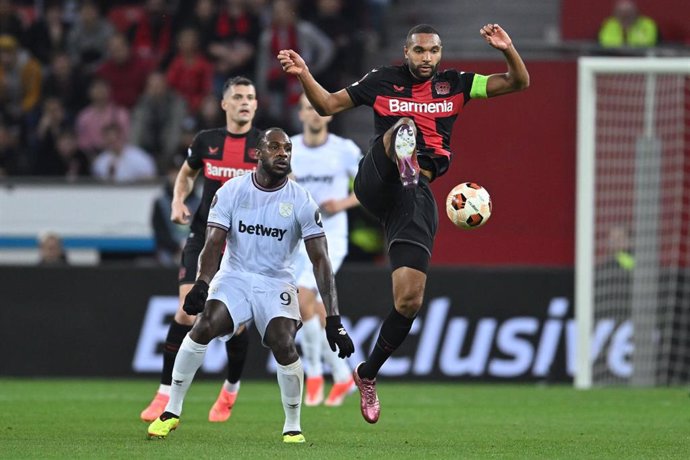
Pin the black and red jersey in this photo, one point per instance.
(433, 104)
(222, 155)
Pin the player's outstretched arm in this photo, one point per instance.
(337, 336)
(184, 183)
(323, 101)
(517, 77)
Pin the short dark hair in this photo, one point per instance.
(239, 80)
(421, 29)
(264, 135)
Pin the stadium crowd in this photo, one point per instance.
(115, 90)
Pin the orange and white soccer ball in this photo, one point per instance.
(468, 205)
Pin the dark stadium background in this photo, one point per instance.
(88, 321)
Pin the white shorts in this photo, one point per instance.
(305, 271)
(250, 297)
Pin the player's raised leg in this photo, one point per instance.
(401, 146)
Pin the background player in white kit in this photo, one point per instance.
(261, 219)
(324, 164)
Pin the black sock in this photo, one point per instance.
(176, 335)
(393, 332)
(237, 354)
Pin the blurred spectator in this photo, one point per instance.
(210, 114)
(51, 123)
(202, 18)
(94, 117)
(125, 72)
(66, 83)
(53, 118)
(67, 160)
(262, 10)
(348, 40)
(278, 92)
(151, 37)
(190, 73)
(50, 250)
(233, 50)
(627, 27)
(157, 119)
(170, 237)
(378, 15)
(10, 22)
(10, 157)
(48, 34)
(120, 161)
(88, 39)
(20, 80)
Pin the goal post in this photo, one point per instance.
(632, 308)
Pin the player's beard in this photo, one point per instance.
(277, 176)
(414, 70)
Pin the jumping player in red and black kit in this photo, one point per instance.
(415, 106)
(221, 154)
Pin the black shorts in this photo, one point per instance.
(407, 215)
(190, 258)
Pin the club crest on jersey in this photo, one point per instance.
(285, 209)
(442, 87)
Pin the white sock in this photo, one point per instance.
(339, 368)
(311, 346)
(189, 359)
(231, 387)
(291, 380)
(164, 389)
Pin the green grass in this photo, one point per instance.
(99, 419)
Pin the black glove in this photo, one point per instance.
(195, 299)
(337, 335)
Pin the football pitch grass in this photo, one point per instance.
(100, 419)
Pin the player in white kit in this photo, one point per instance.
(261, 219)
(324, 164)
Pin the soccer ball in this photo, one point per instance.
(468, 205)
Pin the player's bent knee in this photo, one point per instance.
(284, 351)
(213, 322)
(202, 331)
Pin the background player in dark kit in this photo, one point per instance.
(221, 153)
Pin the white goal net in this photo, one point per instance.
(632, 283)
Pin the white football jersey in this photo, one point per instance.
(265, 227)
(325, 171)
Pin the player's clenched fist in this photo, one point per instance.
(337, 335)
(196, 298)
